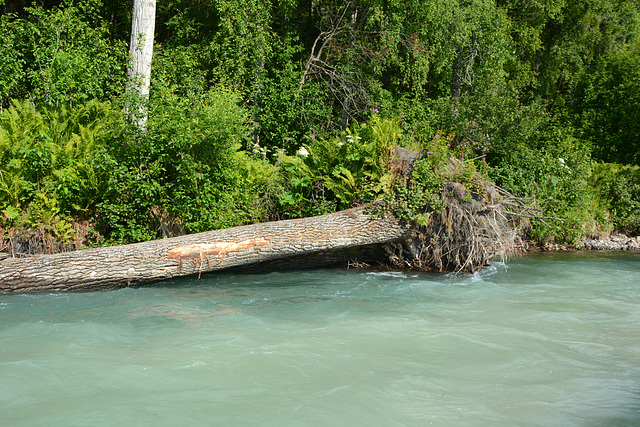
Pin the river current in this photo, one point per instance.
(549, 339)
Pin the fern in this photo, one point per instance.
(46, 154)
(344, 186)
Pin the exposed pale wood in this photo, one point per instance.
(157, 260)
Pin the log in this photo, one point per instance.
(140, 263)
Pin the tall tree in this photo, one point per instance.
(141, 53)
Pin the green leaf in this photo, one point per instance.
(11, 212)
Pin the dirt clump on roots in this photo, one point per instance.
(462, 237)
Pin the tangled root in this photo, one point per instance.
(462, 238)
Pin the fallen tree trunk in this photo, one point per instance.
(135, 264)
(462, 236)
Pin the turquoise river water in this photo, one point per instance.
(551, 340)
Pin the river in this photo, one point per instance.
(549, 339)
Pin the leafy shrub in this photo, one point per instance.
(609, 107)
(185, 166)
(618, 187)
(330, 174)
(414, 197)
(552, 168)
(60, 55)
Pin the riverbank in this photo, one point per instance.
(614, 242)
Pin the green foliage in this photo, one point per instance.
(415, 198)
(342, 172)
(49, 151)
(553, 167)
(524, 83)
(59, 55)
(610, 108)
(618, 186)
(48, 164)
(185, 166)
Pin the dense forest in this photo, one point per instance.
(274, 109)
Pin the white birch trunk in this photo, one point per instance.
(141, 52)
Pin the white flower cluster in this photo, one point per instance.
(351, 139)
(260, 150)
(561, 160)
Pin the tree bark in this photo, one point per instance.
(136, 264)
(141, 53)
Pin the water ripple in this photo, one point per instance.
(546, 340)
